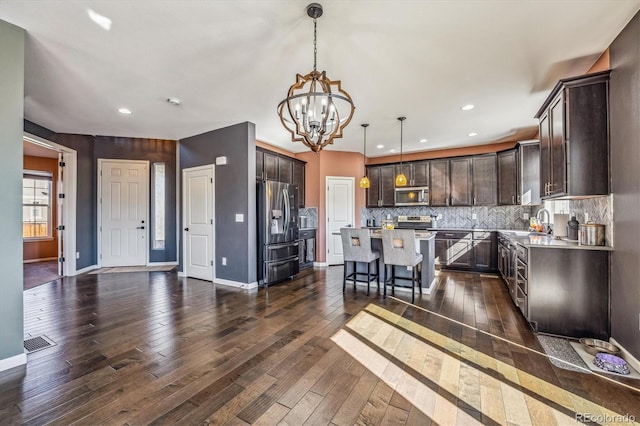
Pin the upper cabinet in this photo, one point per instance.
(485, 180)
(460, 173)
(574, 138)
(382, 186)
(273, 166)
(529, 173)
(417, 173)
(439, 183)
(508, 192)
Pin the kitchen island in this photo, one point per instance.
(425, 242)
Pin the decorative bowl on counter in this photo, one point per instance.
(595, 346)
(611, 363)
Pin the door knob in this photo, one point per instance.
(140, 227)
(186, 229)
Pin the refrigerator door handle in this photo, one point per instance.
(279, 246)
(286, 210)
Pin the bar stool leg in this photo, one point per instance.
(413, 284)
(344, 277)
(368, 276)
(355, 274)
(393, 280)
(378, 274)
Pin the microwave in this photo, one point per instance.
(412, 196)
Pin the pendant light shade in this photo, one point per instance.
(401, 179)
(364, 180)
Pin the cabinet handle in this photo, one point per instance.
(518, 199)
(474, 201)
(513, 199)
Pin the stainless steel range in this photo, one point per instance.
(414, 222)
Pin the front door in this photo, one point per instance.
(198, 222)
(340, 214)
(123, 207)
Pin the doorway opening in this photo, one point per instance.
(48, 219)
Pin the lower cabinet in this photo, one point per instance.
(307, 253)
(466, 250)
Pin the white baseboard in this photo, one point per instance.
(85, 270)
(162, 263)
(630, 359)
(12, 362)
(44, 259)
(236, 284)
(321, 264)
(181, 274)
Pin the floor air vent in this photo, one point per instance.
(37, 343)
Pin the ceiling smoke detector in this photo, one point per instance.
(174, 101)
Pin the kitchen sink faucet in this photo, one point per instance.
(540, 216)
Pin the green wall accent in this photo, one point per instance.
(12, 41)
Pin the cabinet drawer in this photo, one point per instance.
(305, 234)
(522, 270)
(482, 235)
(454, 235)
(523, 253)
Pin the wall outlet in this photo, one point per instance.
(586, 217)
(439, 217)
(474, 216)
(77, 255)
(224, 261)
(525, 216)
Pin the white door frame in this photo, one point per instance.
(69, 189)
(99, 206)
(211, 167)
(326, 208)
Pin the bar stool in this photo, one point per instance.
(356, 248)
(399, 248)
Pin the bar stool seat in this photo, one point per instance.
(399, 249)
(356, 248)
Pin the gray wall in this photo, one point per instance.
(625, 184)
(11, 117)
(235, 192)
(154, 151)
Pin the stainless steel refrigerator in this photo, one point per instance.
(278, 245)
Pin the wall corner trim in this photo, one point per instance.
(236, 284)
(12, 362)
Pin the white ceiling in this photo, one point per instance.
(233, 61)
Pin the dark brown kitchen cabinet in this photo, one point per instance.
(484, 180)
(485, 247)
(298, 180)
(270, 166)
(259, 164)
(574, 138)
(382, 186)
(508, 193)
(285, 170)
(453, 249)
(439, 183)
(529, 173)
(417, 173)
(460, 172)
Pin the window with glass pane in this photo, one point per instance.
(36, 207)
(159, 187)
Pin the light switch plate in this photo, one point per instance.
(239, 217)
(474, 216)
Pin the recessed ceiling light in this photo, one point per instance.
(423, 140)
(466, 107)
(472, 134)
(174, 101)
(380, 146)
(101, 20)
(392, 150)
(124, 110)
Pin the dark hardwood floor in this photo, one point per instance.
(38, 273)
(152, 348)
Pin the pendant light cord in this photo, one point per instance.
(315, 48)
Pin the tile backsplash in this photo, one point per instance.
(311, 213)
(496, 217)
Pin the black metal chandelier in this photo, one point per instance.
(316, 108)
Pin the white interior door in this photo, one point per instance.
(124, 203)
(60, 214)
(198, 222)
(340, 214)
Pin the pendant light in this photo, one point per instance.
(364, 180)
(401, 179)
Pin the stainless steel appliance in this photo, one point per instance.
(414, 222)
(278, 245)
(412, 196)
(591, 234)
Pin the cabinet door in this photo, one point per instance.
(485, 183)
(459, 253)
(484, 255)
(285, 170)
(259, 165)
(441, 249)
(558, 155)
(460, 181)
(439, 183)
(545, 156)
(270, 166)
(298, 180)
(507, 178)
(373, 193)
(387, 185)
(420, 173)
(529, 173)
